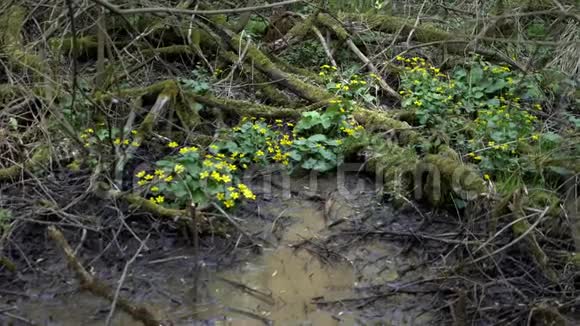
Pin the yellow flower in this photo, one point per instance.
(259, 153)
(154, 189)
(418, 103)
(220, 196)
(235, 195)
(117, 141)
(402, 92)
(89, 130)
(152, 200)
(134, 132)
(169, 178)
(140, 174)
(207, 163)
(490, 143)
(126, 142)
(333, 68)
(229, 203)
(477, 158)
(226, 178)
(216, 176)
(486, 176)
(204, 175)
(290, 124)
(142, 182)
(159, 172)
(538, 107)
(321, 73)
(148, 177)
(178, 168)
(172, 144)
(159, 199)
(135, 144)
(535, 137)
(325, 67)
(472, 154)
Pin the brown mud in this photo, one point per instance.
(313, 269)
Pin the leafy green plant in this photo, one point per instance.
(188, 176)
(488, 104)
(257, 142)
(426, 92)
(199, 82)
(316, 152)
(309, 54)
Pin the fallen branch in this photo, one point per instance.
(183, 11)
(97, 287)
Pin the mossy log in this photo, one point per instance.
(261, 61)
(11, 23)
(381, 121)
(438, 177)
(244, 108)
(41, 156)
(426, 33)
(276, 96)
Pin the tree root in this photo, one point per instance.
(98, 287)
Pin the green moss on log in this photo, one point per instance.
(265, 65)
(391, 24)
(40, 157)
(377, 121)
(439, 177)
(244, 108)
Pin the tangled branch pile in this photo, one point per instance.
(465, 107)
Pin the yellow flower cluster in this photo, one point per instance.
(185, 150)
(157, 200)
(419, 65)
(159, 175)
(324, 69)
(231, 194)
(285, 141)
(89, 139)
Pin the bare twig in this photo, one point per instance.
(181, 11)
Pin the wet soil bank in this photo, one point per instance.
(322, 261)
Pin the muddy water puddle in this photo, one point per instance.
(278, 286)
(286, 280)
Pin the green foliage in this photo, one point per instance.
(256, 27)
(187, 177)
(257, 142)
(100, 140)
(309, 54)
(198, 82)
(316, 152)
(499, 103)
(426, 92)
